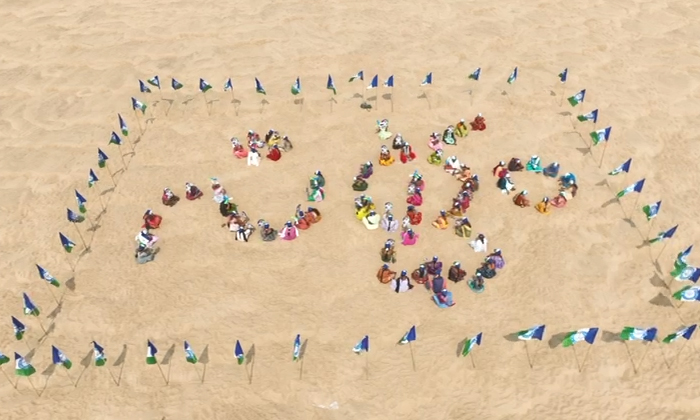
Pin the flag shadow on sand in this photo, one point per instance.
(661, 300)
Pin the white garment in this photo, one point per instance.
(243, 235)
(509, 187)
(403, 286)
(253, 158)
(371, 222)
(479, 246)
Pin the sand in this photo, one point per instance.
(69, 67)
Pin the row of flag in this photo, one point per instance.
(589, 334)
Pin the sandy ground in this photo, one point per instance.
(69, 67)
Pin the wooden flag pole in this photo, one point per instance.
(662, 251)
(586, 357)
(111, 175)
(527, 352)
(72, 267)
(651, 224)
(119, 146)
(80, 235)
(648, 346)
(471, 356)
(52, 294)
(392, 99)
(367, 365)
(75, 384)
(563, 94)
(204, 371)
(678, 354)
(138, 120)
(102, 204)
(8, 378)
(161, 372)
(41, 325)
(602, 156)
(636, 202)
(206, 104)
(413, 359)
(33, 387)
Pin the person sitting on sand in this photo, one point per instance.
(416, 182)
(272, 137)
(487, 270)
(461, 129)
(169, 198)
(385, 158)
(227, 207)
(437, 284)
(480, 244)
(371, 221)
(416, 199)
(448, 136)
(218, 190)
(401, 284)
(359, 184)
(560, 200)
(389, 224)
(267, 233)
(552, 170)
(434, 266)
(299, 219)
(464, 200)
(254, 140)
(435, 158)
(315, 194)
(409, 237)
(479, 123)
(452, 166)
(535, 164)
(151, 220)
(521, 200)
(496, 258)
(414, 215)
(515, 165)
(254, 157)
(444, 299)
(366, 170)
(567, 181)
(456, 274)
(383, 129)
(505, 184)
(477, 282)
(385, 275)
(474, 182)
(362, 201)
(388, 207)
(312, 215)
(407, 154)
(274, 154)
(388, 252)
(146, 238)
(317, 180)
(498, 168)
(456, 210)
(464, 174)
(238, 150)
(289, 232)
(435, 142)
(192, 192)
(441, 221)
(244, 232)
(543, 206)
(234, 221)
(405, 224)
(463, 228)
(398, 143)
(144, 254)
(420, 274)
(468, 190)
(286, 144)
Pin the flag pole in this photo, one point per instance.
(636, 202)
(367, 365)
(33, 387)
(72, 267)
(52, 294)
(471, 356)
(413, 360)
(648, 346)
(602, 156)
(301, 368)
(111, 175)
(41, 325)
(138, 120)
(131, 145)
(204, 371)
(102, 204)
(563, 94)
(71, 378)
(662, 251)
(122, 156)
(8, 378)
(161, 372)
(651, 224)
(585, 357)
(392, 98)
(678, 354)
(527, 352)
(81, 236)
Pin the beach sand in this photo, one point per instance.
(69, 67)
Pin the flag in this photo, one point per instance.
(390, 82)
(29, 306)
(683, 256)
(631, 334)
(67, 244)
(73, 217)
(122, 125)
(563, 75)
(115, 139)
(409, 336)
(682, 270)
(585, 334)
(19, 328)
(636, 187)
(99, 352)
(3, 358)
(151, 352)
(534, 333)
(363, 345)
(578, 98)
(203, 85)
(296, 87)
(44, 274)
(664, 235)
(688, 294)
(513, 76)
(22, 367)
(92, 178)
(143, 88)
(136, 104)
(374, 83)
(189, 354)
(59, 358)
(81, 201)
(651, 210)
(471, 343)
(476, 74)
(238, 352)
(297, 348)
(360, 75)
(228, 85)
(259, 87)
(591, 116)
(625, 167)
(101, 158)
(428, 79)
(175, 84)
(154, 81)
(600, 135)
(331, 84)
(685, 332)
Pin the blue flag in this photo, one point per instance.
(389, 82)
(428, 80)
(409, 336)
(374, 83)
(143, 88)
(476, 74)
(363, 345)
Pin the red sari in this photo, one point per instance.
(274, 154)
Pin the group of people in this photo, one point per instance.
(567, 183)
(275, 143)
(449, 136)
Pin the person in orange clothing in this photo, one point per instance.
(414, 216)
(151, 220)
(521, 200)
(385, 158)
(479, 123)
(543, 206)
(274, 154)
